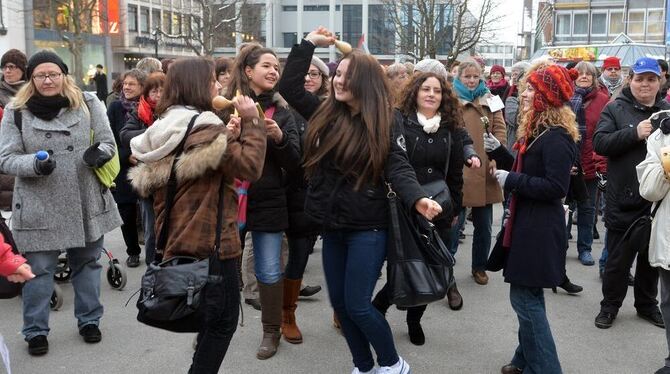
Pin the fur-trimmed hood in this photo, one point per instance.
(203, 152)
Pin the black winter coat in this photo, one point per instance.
(267, 208)
(123, 193)
(537, 252)
(133, 127)
(291, 84)
(616, 138)
(333, 202)
(427, 154)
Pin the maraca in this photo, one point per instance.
(665, 160)
(221, 103)
(343, 46)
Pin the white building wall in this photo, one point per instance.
(13, 20)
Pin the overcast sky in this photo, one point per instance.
(511, 10)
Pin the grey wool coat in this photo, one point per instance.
(69, 207)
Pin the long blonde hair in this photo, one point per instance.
(70, 90)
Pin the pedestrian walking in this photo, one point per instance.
(213, 157)
(61, 205)
(353, 145)
(431, 116)
(534, 231)
(255, 73)
(100, 80)
(621, 135)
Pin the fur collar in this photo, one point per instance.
(148, 177)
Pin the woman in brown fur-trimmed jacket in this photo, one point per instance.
(211, 153)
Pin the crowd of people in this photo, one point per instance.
(309, 149)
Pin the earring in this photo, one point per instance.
(249, 77)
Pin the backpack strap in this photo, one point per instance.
(18, 120)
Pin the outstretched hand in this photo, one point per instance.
(428, 208)
(321, 37)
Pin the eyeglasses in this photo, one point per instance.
(9, 67)
(313, 74)
(42, 77)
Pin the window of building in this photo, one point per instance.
(655, 22)
(352, 17)
(316, 8)
(636, 22)
(155, 18)
(563, 23)
(616, 23)
(599, 23)
(167, 22)
(144, 19)
(580, 24)
(289, 8)
(290, 38)
(186, 24)
(176, 23)
(132, 17)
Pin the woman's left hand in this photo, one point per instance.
(273, 130)
(428, 208)
(474, 162)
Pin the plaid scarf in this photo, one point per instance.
(577, 104)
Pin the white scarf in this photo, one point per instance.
(429, 125)
(164, 135)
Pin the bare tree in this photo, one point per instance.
(431, 27)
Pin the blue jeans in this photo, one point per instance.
(482, 219)
(149, 223)
(454, 233)
(536, 352)
(586, 216)
(85, 279)
(351, 263)
(267, 256)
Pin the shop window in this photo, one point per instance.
(144, 19)
(132, 17)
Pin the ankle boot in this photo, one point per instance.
(289, 328)
(381, 301)
(568, 286)
(414, 329)
(271, 306)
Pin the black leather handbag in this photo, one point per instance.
(172, 293)
(419, 266)
(8, 290)
(638, 233)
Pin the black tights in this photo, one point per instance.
(128, 213)
(299, 249)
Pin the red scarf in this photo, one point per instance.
(496, 86)
(145, 111)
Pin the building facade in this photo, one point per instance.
(12, 26)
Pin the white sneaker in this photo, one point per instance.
(372, 371)
(400, 367)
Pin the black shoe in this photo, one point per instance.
(604, 320)
(663, 370)
(91, 333)
(416, 335)
(654, 317)
(381, 305)
(596, 234)
(631, 280)
(255, 303)
(569, 287)
(133, 261)
(310, 291)
(38, 345)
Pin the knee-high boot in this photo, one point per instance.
(289, 327)
(271, 308)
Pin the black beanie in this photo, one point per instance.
(42, 57)
(16, 57)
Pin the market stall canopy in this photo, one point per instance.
(622, 47)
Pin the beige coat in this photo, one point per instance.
(480, 187)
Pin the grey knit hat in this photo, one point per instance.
(430, 65)
(323, 68)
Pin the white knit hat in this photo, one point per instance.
(431, 66)
(323, 68)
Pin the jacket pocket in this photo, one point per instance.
(101, 202)
(29, 210)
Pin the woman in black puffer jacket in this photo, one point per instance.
(255, 74)
(431, 119)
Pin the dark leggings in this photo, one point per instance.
(299, 249)
(128, 214)
(222, 310)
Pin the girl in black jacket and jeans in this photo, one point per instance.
(431, 117)
(350, 150)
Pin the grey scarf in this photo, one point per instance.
(611, 84)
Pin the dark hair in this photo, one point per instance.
(117, 86)
(188, 82)
(165, 64)
(450, 108)
(138, 74)
(663, 64)
(223, 64)
(249, 55)
(98, 66)
(358, 143)
(155, 80)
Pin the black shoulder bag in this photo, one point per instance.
(172, 293)
(638, 233)
(419, 266)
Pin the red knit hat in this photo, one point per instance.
(611, 62)
(497, 68)
(553, 86)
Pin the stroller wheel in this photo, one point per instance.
(63, 272)
(56, 301)
(116, 275)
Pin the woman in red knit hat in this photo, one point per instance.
(497, 82)
(534, 232)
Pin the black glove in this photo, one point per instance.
(44, 167)
(94, 157)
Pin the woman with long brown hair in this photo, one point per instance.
(255, 74)
(351, 150)
(431, 119)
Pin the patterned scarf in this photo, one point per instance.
(611, 84)
(128, 105)
(577, 104)
(470, 95)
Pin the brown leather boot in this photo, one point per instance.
(271, 305)
(289, 328)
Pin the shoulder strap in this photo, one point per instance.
(658, 204)
(172, 190)
(446, 165)
(18, 119)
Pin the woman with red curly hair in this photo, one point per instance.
(534, 234)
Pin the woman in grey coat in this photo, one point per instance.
(59, 203)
